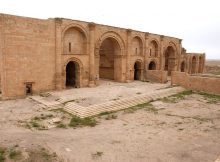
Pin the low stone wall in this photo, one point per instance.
(180, 78)
(156, 76)
(204, 83)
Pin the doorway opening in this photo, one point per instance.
(28, 88)
(137, 70)
(71, 74)
(152, 66)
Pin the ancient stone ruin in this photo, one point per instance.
(40, 55)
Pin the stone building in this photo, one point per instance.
(41, 55)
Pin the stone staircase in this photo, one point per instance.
(120, 104)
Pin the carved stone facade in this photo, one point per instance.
(41, 55)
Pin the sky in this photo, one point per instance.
(197, 22)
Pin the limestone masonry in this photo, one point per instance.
(41, 55)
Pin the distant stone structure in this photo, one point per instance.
(205, 83)
(40, 55)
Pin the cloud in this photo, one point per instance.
(197, 22)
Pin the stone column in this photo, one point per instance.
(58, 51)
(146, 50)
(91, 54)
(162, 56)
(197, 64)
(180, 56)
(203, 63)
(190, 61)
(128, 65)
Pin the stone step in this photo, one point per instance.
(119, 104)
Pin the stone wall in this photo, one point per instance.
(196, 82)
(1, 48)
(34, 54)
(158, 76)
(28, 56)
(180, 78)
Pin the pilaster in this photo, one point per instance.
(146, 49)
(58, 51)
(180, 56)
(128, 54)
(92, 54)
(162, 58)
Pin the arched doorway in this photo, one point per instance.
(169, 60)
(107, 65)
(72, 74)
(182, 67)
(152, 66)
(137, 70)
(193, 70)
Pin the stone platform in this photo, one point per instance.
(109, 96)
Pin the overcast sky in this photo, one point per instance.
(197, 22)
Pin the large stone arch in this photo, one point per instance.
(153, 48)
(74, 39)
(137, 45)
(172, 44)
(109, 52)
(79, 71)
(170, 58)
(74, 25)
(110, 34)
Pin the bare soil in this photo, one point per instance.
(167, 130)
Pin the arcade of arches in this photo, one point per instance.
(110, 67)
(72, 53)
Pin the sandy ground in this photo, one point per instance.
(184, 131)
